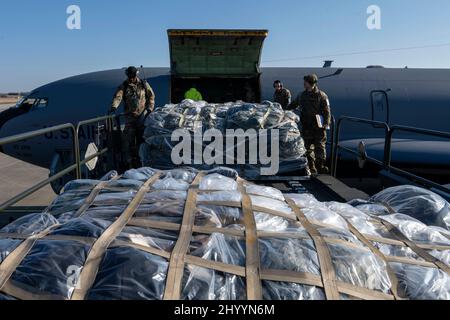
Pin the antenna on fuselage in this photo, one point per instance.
(143, 72)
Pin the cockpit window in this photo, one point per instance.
(20, 102)
(29, 104)
(41, 103)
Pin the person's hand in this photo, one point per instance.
(111, 112)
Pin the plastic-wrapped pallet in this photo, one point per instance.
(192, 116)
(184, 234)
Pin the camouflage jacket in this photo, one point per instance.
(312, 103)
(283, 97)
(137, 97)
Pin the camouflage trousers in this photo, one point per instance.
(315, 144)
(132, 139)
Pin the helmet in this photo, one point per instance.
(278, 82)
(131, 72)
(312, 79)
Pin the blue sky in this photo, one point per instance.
(37, 48)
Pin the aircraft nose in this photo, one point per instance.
(3, 119)
(9, 114)
(5, 116)
(2, 122)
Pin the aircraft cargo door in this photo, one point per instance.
(224, 65)
(380, 106)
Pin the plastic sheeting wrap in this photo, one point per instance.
(415, 281)
(201, 116)
(138, 261)
(424, 205)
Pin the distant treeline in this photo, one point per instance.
(13, 94)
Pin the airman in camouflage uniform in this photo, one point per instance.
(313, 103)
(139, 99)
(282, 95)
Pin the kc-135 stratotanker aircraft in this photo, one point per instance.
(224, 65)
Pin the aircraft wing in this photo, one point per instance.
(405, 151)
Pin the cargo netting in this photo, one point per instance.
(210, 235)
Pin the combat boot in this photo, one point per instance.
(311, 165)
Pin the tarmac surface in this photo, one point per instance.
(17, 176)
